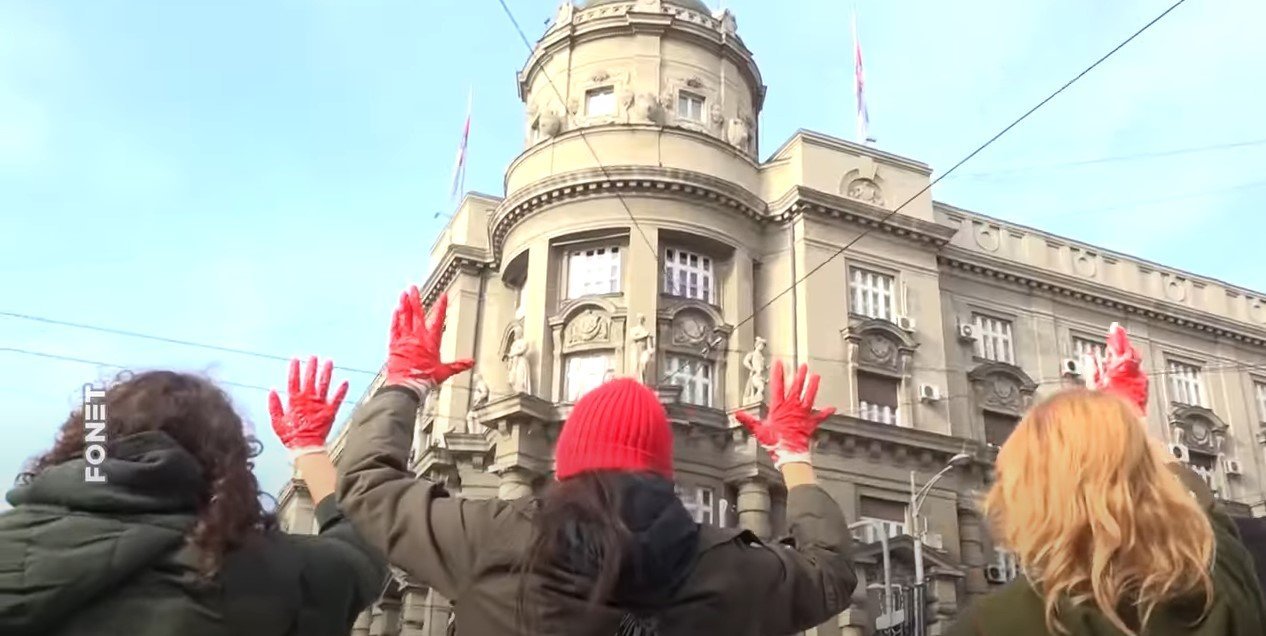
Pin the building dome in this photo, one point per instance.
(693, 5)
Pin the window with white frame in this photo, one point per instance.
(688, 275)
(1185, 383)
(1007, 564)
(993, 339)
(872, 293)
(1259, 388)
(1204, 465)
(584, 372)
(877, 397)
(884, 516)
(699, 502)
(593, 271)
(689, 106)
(600, 101)
(693, 375)
(1084, 347)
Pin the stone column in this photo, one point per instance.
(972, 544)
(413, 612)
(438, 610)
(515, 483)
(753, 507)
(361, 626)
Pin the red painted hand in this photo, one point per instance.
(413, 358)
(1120, 371)
(303, 430)
(791, 421)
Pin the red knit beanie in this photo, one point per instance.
(618, 426)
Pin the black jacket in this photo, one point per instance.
(110, 558)
(681, 577)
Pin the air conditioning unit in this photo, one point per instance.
(995, 574)
(1070, 366)
(966, 332)
(1232, 467)
(905, 323)
(1179, 452)
(929, 393)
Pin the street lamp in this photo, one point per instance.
(916, 502)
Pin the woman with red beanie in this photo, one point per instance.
(609, 548)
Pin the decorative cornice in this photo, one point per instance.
(456, 258)
(1116, 299)
(618, 181)
(852, 148)
(802, 199)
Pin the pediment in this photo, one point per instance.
(1002, 388)
(1198, 428)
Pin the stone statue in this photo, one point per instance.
(520, 374)
(739, 134)
(564, 14)
(426, 420)
(646, 108)
(644, 344)
(478, 398)
(729, 23)
(754, 362)
(718, 117)
(549, 124)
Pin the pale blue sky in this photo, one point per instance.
(265, 175)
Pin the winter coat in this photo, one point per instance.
(681, 578)
(1237, 609)
(1253, 534)
(106, 559)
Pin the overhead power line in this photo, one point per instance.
(1006, 172)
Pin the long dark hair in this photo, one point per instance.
(579, 528)
(195, 413)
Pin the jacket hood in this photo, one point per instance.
(67, 541)
(662, 550)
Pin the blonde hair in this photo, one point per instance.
(1084, 500)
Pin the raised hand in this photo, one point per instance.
(304, 428)
(785, 432)
(1120, 371)
(413, 358)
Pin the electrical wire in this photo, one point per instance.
(1007, 172)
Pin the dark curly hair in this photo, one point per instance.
(199, 416)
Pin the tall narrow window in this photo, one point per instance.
(600, 101)
(998, 427)
(877, 397)
(1185, 384)
(699, 502)
(1204, 465)
(1083, 347)
(688, 275)
(693, 375)
(1260, 389)
(993, 339)
(885, 516)
(689, 106)
(584, 373)
(872, 294)
(593, 271)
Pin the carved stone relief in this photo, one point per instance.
(717, 117)
(690, 328)
(565, 12)
(866, 191)
(1002, 388)
(549, 124)
(590, 325)
(1176, 289)
(739, 134)
(878, 350)
(988, 237)
(1085, 263)
(644, 108)
(1198, 429)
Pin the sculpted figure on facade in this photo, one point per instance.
(739, 134)
(754, 362)
(519, 373)
(644, 345)
(564, 13)
(866, 191)
(479, 395)
(646, 108)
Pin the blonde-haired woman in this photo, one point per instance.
(1112, 536)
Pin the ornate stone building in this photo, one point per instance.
(641, 234)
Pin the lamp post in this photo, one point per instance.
(917, 496)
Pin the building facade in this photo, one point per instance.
(640, 234)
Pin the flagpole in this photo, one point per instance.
(470, 109)
(859, 87)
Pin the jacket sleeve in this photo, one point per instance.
(414, 522)
(341, 572)
(815, 577)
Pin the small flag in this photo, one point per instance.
(459, 168)
(859, 83)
